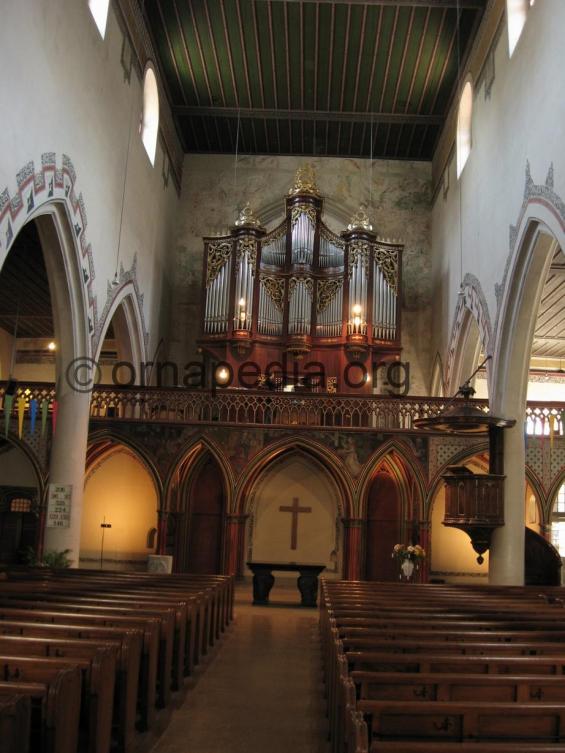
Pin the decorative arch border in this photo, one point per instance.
(536, 196)
(472, 302)
(99, 436)
(48, 185)
(192, 454)
(127, 287)
(288, 445)
(410, 465)
(438, 377)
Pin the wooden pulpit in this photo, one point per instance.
(474, 503)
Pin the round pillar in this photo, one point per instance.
(235, 542)
(163, 522)
(425, 541)
(67, 465)
(506, 555)
(353, 539)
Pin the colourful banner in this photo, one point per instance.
(21, 413)
(32, 414)
(551, 429)
(44, 411)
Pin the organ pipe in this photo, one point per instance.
(263, 282)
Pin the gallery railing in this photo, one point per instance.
(260, 408)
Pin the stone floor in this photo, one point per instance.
(261, 692)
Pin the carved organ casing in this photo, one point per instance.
(300, 293)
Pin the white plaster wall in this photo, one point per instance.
(269, 529)
(212, 192)
(523, 119)
(63, 90)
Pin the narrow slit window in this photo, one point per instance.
(150, 121)
(516, 13)
(464, 120)
(99, 10)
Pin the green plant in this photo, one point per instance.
(51, 558)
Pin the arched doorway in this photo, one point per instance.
(200, 530)
(45, 327)
(20, 494)
(293, 512)
(119, 520)
(383, 531)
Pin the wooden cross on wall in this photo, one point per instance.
(295, 510)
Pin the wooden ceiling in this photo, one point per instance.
(549, 334)
(25, 302)
(311, 77)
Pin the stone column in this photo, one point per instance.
(425, 540)
(353, 540)
(545, 530)
(67, 465)
(163, 521)
(506, 555)
(235, 542)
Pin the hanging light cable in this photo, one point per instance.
(235, 161)
(116, 280)
(371, 170)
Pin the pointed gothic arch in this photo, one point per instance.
(538, 233)
(122, 490)
(295, 479)
(124, 309)
(438, 379)
(319, 452)
(197, 501)
(391, 492)
(103, 441)
(471, 334)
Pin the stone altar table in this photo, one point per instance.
(263, 580)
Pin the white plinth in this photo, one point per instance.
(159, 563)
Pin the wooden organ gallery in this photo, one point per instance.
(301, 294)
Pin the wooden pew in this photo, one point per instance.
(217, 593)
(459, 721)
(424, 686)
(523, 648)
(78, 605)
(200, 628)
(129, 642)
(55, 709)
(491, 664)
(82, 622)
(15, 723)
(97, 698)
(147, 599)
(408, 746)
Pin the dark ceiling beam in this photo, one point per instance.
(324, 115)
(474, 4)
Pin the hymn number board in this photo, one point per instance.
(59, 506)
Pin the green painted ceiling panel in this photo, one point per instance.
(309, 76)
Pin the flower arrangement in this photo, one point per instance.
(411, 552)
(409, 557)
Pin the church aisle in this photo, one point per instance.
(262, 691)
